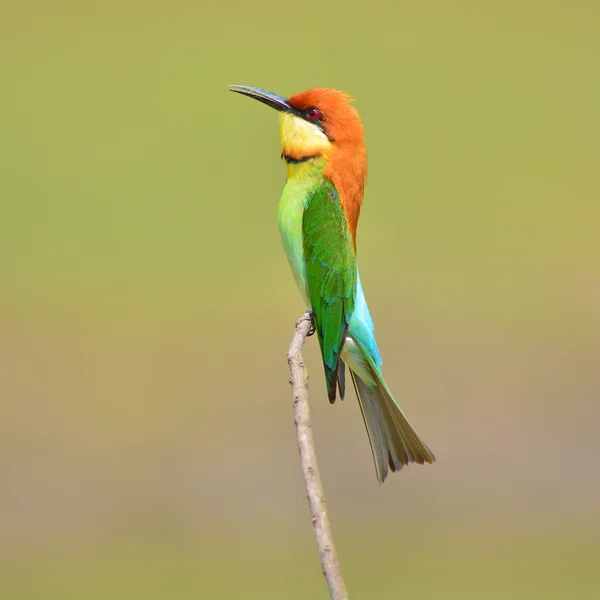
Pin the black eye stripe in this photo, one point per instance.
(302, 113)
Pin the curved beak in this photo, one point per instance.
(269, 98)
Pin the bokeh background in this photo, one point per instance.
(147, 447)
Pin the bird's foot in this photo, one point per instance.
(307, 316)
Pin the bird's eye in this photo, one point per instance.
(313, 114)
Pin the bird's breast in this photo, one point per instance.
(290, 213)
(302, 179)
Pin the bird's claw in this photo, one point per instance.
(307, 316)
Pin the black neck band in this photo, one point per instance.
(296, 161)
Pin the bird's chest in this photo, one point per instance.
(291, 209)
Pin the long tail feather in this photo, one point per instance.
(393, 439)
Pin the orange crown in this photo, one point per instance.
(347, 167)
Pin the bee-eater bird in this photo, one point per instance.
(322, 143)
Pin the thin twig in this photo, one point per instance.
(308, 459)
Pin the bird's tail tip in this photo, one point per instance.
(394, 441)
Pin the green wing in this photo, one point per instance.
(331, 274)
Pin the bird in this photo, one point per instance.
(323, 147)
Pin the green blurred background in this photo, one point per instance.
(147, 447)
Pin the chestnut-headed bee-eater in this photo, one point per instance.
(322, 144)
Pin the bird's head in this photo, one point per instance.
(313, 122)
(322, 123)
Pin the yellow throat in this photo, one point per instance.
(299, 138)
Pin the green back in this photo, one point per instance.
(331, 274)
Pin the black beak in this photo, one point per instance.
(269, 98)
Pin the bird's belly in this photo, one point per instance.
(291, 209)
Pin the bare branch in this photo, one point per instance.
(308, 460)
